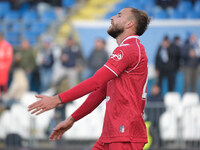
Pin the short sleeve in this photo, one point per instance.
(122, 58)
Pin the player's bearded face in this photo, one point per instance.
(115, 30)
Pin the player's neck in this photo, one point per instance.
(122, 37)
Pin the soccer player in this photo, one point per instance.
(121, 81)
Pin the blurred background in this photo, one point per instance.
(49, 46)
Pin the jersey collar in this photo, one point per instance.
(129, 37)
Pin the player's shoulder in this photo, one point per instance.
(129, 48)
(123, 51)
(125, 47)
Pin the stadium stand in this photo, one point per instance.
(184, 9)
(48, 16)
(4, 8)
(24, 20)
(91, 10)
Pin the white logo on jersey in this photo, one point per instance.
(117, 56)
(122, 128)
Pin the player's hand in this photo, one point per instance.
(44, 104)
(61, 128)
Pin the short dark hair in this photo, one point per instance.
(142, 20)
(166, 38)
(177, 38)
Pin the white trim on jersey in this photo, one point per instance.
(144, 94)
(138, 58)
(111, 70)
(124, 45)
(129, 37)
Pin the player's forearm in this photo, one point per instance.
(92, 102)
(101, 77)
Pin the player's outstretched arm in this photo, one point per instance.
(93, 100)
(101, 77)
(61, 128)
(44, 104)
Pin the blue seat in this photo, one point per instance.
(1, 15)
(16, 26)
(160, 15)
(30, 15)
(38, 27)
(12, 16)
(31, 36)
(24, 7)
(127, 1)
(13, 38)
(120, 6)
(4, 8)
(136, 5)
(68, 3)
(149, 2)
(28, 18)
(7, 26)
(184, 6)
(27, 24)
(197, 7)
(48, 16)
(176, 15)
(148, 7)
(192, 15)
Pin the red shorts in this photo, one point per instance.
(118, 146)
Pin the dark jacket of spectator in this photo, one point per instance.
(173, 62)
(188, 60)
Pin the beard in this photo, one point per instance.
(115, 31)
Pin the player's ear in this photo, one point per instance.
(130, 24)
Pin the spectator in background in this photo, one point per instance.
(191, 56)
(154, 99)
(71, 59)
(174, 56)
(98, 57)
(165, 59)
(19, 85)
(25, 59)
(45, 60)
(155, 95)
(6, 55)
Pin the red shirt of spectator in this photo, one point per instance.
(6, 55)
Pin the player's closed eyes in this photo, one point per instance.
(119, 14)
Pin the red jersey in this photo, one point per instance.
(126, 94)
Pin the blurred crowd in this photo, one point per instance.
(47, 66)
(175, 56)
